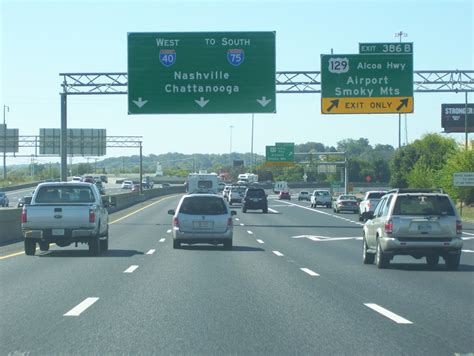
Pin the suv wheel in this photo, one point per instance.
(265, 210)
(382, 260)
(176, 244)
(367, 257)
(30, 247)
(432, 260)
(452, 261)
(244, 210)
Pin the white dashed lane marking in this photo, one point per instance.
(237, 219)
(468, 251)
(308, 271)
(249, 232)
(162, 240)
(241, 224)
(131, 269)
(387, 313)
(260, 241)
(273, 211)
(151, 252)
(168, 231)
(78, 309)
(278, 253)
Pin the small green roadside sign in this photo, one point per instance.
(201, 72)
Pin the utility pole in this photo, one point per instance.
(400, 35)
(251, 149)
(230, 149)
(5, 109)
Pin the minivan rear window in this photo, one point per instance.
(423, 205)
(202, 205)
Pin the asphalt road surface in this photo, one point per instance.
(294, 283)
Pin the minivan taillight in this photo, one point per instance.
(23, 216)
(91, 216)
(389, 227)
(458, 227)
(175, 222)
(230, 222)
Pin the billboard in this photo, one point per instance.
(453, 117)
(80, 142)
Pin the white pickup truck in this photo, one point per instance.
(369, 203)
(66, 213)
(321, 197)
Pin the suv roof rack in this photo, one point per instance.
(416, 190)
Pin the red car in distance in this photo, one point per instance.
(284, 195)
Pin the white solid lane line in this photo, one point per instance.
(273, 211)
(131, 269)
(387, 313)
(162, 240)
(249, 232)
(470, 251)
(467, 233)
(78, 309)
(151, 252)
(260, 241)
(308, 271)
(278, 253)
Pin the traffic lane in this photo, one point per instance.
(206, 300)
(35, 289)
(340, 259)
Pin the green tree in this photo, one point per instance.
(421, 176)
(460, 161)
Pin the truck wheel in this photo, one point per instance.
(44, 246)
(452, 261)
(94, 246)
(228, 244)
(30, 247)
(432, 260)
(104, 244)
(360, 218)
(265, 210)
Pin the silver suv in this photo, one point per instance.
(419, 223)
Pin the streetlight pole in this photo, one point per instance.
(400, 34)
(230, 149)
(5, 109)
(251, 149)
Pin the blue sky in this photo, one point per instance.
(40, 39)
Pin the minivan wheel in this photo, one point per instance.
(367, 257)
(432, 260)
(452, 261)
(30, 247)
(382, 260)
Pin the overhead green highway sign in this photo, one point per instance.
(201, 72)
(366, 83)
(282, 154)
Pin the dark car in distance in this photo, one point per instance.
(255, 199)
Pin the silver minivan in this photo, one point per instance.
(417, 223)
(202, 218)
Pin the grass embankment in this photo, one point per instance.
(467, 212)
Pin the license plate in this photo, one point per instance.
(424, 228)
(57, 232)
(202, 224)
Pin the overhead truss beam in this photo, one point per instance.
(425, 81)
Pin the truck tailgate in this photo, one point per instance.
(58, 216)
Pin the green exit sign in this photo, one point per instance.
(201, 72)
(282, 154)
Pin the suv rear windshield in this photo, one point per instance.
(376, 195)
(423, 205)
(199, 205)
(257, 193)
(322, 192)
(70, 194)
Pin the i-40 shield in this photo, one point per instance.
(235, 56)
(167, 57)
